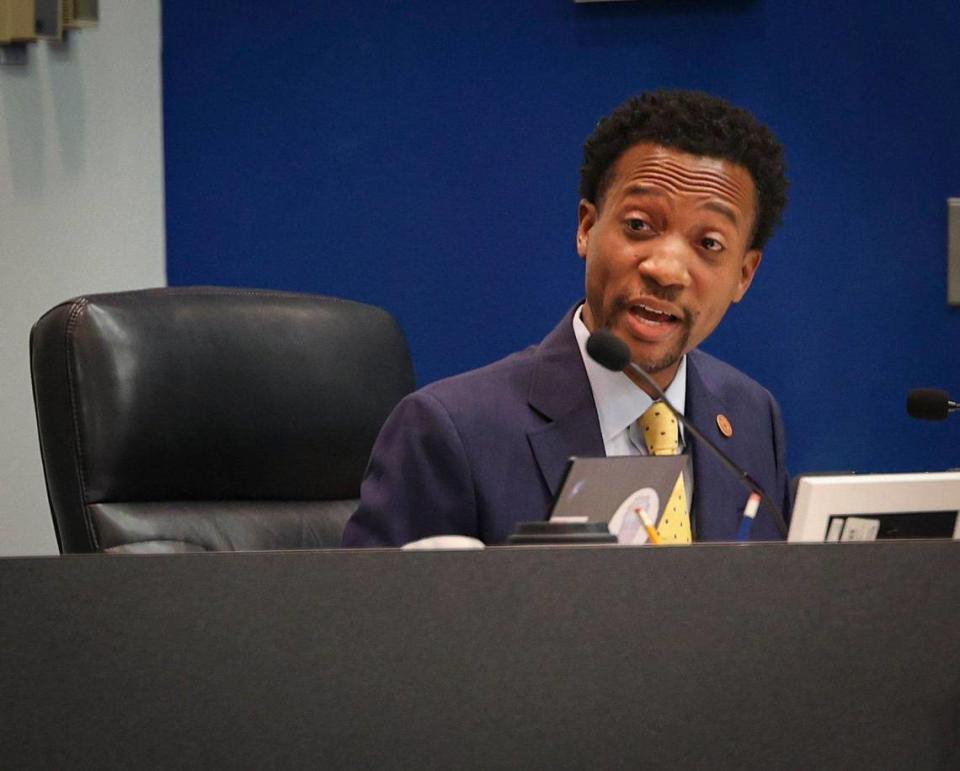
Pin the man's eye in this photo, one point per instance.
(637, 224)
(712, 244)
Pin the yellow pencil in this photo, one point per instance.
(647, 524)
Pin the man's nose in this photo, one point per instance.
(668, 262)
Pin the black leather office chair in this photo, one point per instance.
(193, 419)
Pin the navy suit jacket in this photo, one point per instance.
(479, 452)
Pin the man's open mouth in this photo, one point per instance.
(652, 316)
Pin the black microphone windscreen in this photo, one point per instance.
(608, 350)
(928, 404)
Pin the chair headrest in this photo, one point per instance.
(214, 393)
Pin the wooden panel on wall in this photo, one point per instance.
(17, 21)
(78, 14)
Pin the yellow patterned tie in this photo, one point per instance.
(661, 434)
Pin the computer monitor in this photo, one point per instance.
(876, 506)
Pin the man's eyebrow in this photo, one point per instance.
(723, 210)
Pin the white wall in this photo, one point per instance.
(81, 210)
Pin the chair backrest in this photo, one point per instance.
(206, 418)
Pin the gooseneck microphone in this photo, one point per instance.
(611, 352)
(930, 404)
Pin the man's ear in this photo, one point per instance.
(748, 269)
(586, 219)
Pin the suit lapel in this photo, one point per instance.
(560, 392)
(718, 496)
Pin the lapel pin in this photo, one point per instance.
(723, 424)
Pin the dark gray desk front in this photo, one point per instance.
(756, 656)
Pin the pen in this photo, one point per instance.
(749, 514)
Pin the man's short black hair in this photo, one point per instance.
(695, 123)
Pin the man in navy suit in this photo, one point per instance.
(680, 192)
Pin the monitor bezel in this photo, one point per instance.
(820, 497)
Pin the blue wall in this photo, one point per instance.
(423, 156)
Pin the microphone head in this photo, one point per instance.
(928, 404)
(608, 350)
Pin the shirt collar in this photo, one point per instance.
(618, 399)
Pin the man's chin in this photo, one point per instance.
(661, 369)
(657, 361)
(654, 366)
